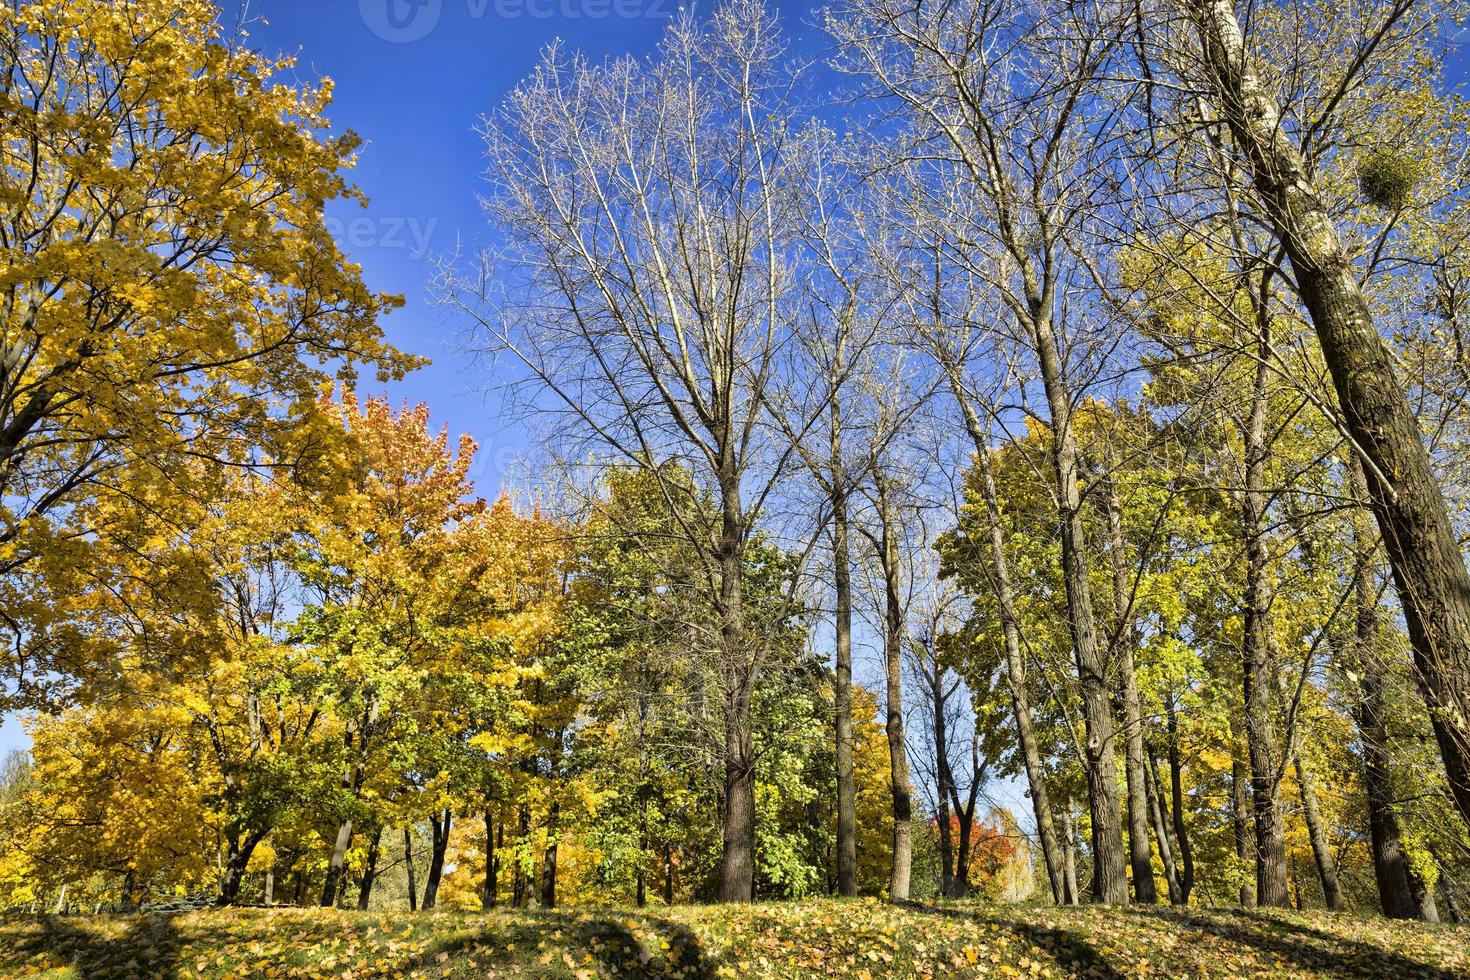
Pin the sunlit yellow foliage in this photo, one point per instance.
(169, 292)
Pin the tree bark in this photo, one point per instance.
(1176, 790)
(898, 758)
(237, 859)
(842, 579)
(1069, 857)
(369, 873)
(962, 853)
(1390, 867)
(1135, 759)
(1423, 897)
(1452, 900)
(737, 861)
(548, 865)
(413, 885)
(1257, 673)
(1110, 878)
(1428, 568)
(518, 890)
(1317, 834)
(944, 790)
(1159, 811)
(640, 888)
(1239, 821)
(491, 897)
(337, 865)
(440, 825)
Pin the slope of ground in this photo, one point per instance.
(813, 939)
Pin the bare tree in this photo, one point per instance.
(958, 759)
(941, 304)
(649, 230)
(898, 533)
(839, 329)
(996, 92)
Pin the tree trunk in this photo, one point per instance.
(737, 861)
(669, 875)
(1176, 790)
(491, 894)
(369, 873)
(1452, 902)
(237, 859)
(440, 825)
(1110, 877)
(338, 865)
(413, 885)
(1257, 673)
(1069, 857)
(898, 757)
(1429, 569)
(1139, 853)
(1158, 810)
(1423, 897)
(548, 865)
(943, 790)
(640, 897)
(842, 578)
(1240, 823)
(737, 866)
(1051, 851)
(518, 889)
(1390, 867)
(961, 882)
(1317, 833)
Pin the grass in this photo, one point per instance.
(811, 939)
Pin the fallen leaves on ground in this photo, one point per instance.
(865, 939)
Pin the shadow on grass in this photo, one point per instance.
(607, 941)
(1307, 948)
(1070, 948)
(149, 947)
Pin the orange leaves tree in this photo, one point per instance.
(392, 578)
(338, 653)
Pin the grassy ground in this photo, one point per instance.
(815, 939)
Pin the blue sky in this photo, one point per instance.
(413, 77)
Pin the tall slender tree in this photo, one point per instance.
(647, 222)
